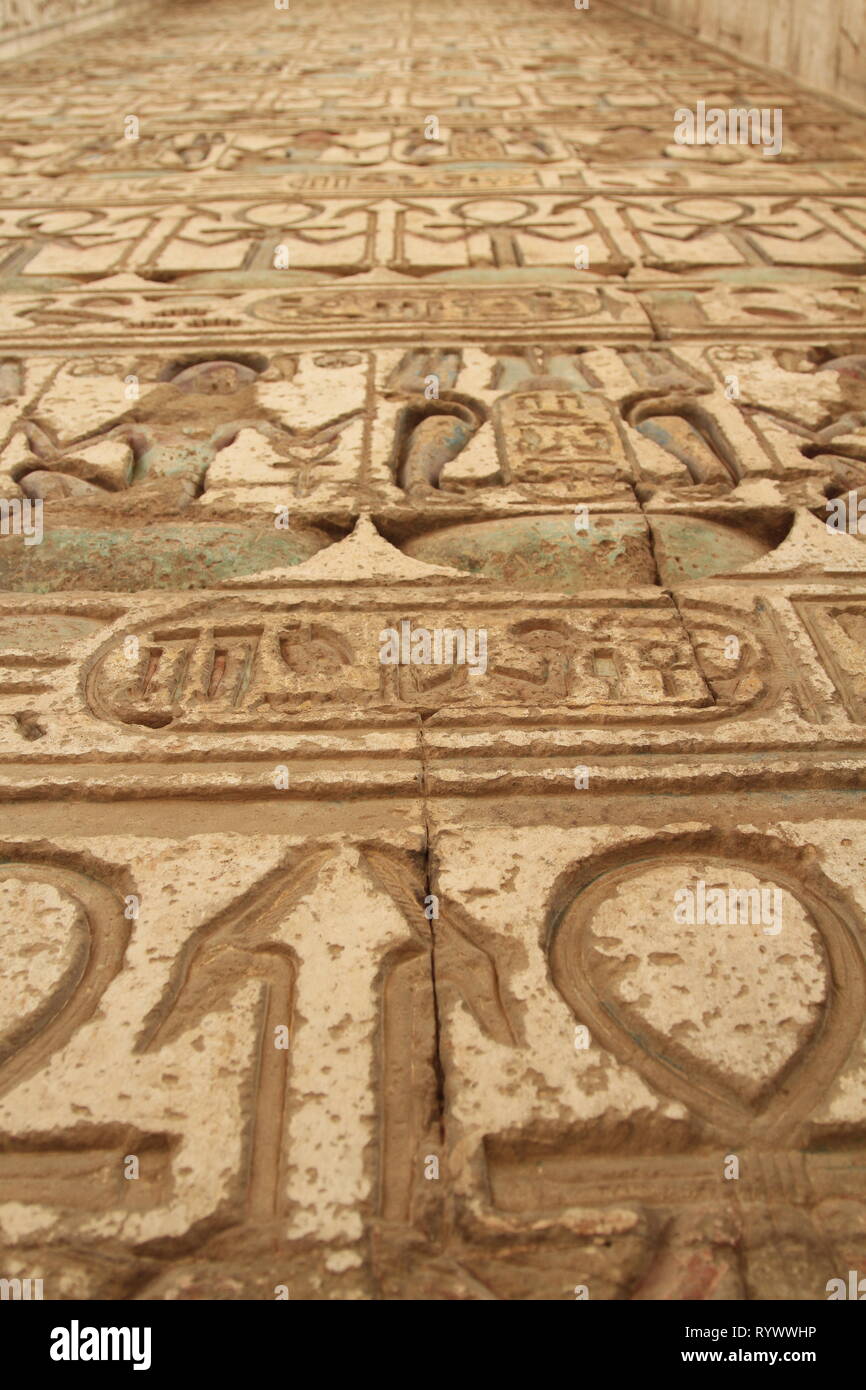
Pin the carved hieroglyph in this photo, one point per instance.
(432, 662)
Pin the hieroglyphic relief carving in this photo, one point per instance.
(338, 236)
(257, 426)
(557, 425)
(383, 325)
(65, 935)
(250, 667)
(92, 920)
(622, 962)
(552, 438)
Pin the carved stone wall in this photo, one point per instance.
(28, 24)
(432, 663)
(823, 45)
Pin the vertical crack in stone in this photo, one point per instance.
(428, 893)
(452, 268)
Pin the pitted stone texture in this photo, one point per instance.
(432, 463)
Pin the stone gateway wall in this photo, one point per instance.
(432, 663)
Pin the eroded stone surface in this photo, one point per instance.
(432, 651)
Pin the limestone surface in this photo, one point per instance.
(432, 658)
